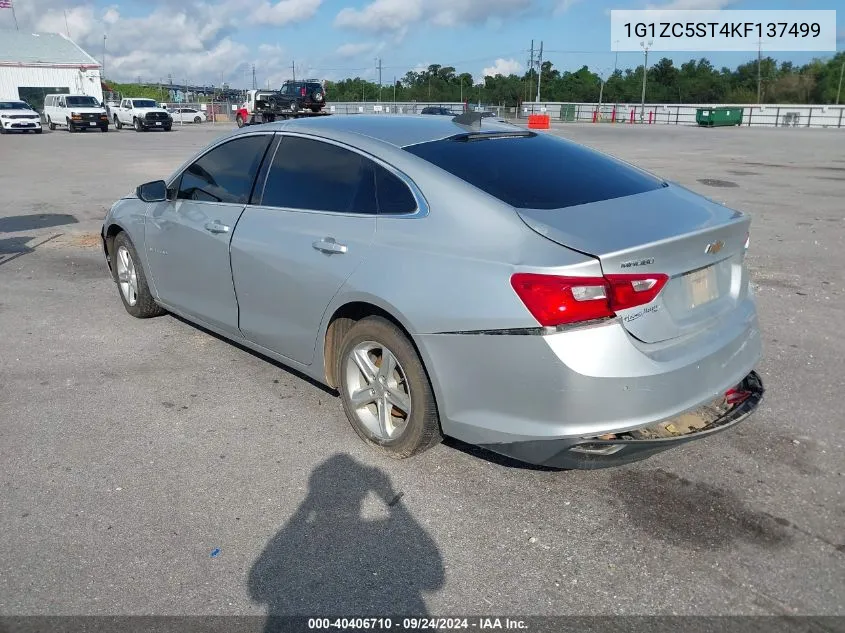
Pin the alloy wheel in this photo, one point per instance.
(126, 276)
(378, 390)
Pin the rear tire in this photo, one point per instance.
(131, 281)
(117, 124)
(51, 125)
(401, 417)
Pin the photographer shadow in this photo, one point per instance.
(330, 561)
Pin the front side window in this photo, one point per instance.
(226, 173)
(313, 175)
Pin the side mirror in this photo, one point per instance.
(155, 191)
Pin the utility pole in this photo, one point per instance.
(645, 73)
(293, 70)
(378, 59)
(531, 70)
(615, 66)
(539, 70)
(839, 90)
(253, 77)
(394, 93)
(103, 73)
(759, 74)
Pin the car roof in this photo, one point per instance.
(400, 130)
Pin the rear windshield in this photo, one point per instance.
(313, 87)
(82, 102)
(535, 171)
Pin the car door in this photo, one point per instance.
(292, 251)
(187, 237)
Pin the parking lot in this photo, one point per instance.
(149, 467)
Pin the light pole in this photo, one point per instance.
(615, 66)
(839, 90)
(104, 57)
(645, 73)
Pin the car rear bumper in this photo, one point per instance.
(535, 396)
(617, 450)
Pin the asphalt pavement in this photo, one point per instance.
(148, 467)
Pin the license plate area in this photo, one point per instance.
(701, 287)
(92, 123)
(158, 122)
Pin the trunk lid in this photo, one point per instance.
(700, 244)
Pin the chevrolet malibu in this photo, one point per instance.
(458, 277)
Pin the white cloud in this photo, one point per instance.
(193, 40)
(381, 15)
(283, 12)
(502, 67)
(564, 5)
(355, 49)
(398, 15)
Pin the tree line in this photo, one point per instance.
(696, 81)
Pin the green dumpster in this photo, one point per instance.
(718, 117)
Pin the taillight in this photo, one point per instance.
(554, 300)
(302, 91)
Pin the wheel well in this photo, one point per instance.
(111, 233)
(341, 322)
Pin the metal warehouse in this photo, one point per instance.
(36, 64)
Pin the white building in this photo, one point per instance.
(36, 64)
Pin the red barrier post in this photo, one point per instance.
(650, 116)
(613, 116)
(632, 115)
(595, 115)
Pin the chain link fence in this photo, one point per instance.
(775, 115)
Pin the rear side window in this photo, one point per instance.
(314, 175)
(393, 194)
(226, 173)
(536, 171)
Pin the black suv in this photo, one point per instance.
(300, 95)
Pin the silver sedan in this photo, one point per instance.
(458, 277)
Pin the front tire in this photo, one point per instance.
(137, 124)
(386, 393)
(131, 280)
(240, 121)
(39, 131)
(199, 120)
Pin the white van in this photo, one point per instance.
(76, 112)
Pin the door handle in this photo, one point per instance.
(216, 227)
(329, 245)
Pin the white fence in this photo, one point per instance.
(775, 115)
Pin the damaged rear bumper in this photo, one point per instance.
(616, 449)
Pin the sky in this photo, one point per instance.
(219, 41)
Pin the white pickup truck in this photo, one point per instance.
(141, 114)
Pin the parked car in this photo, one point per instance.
(456, 277)
(437, 110)
(187, 115)
(75, 112)
(141, 114)
(18, 116)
